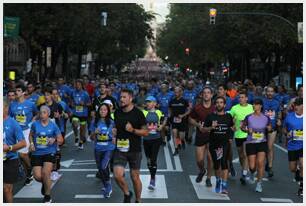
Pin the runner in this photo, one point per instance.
(222, 93)
(257, 125)
(24, 112)
(11, 96)
(293, 130)
(13, 140)
(178, 111)
(163, 99)
(32, 95)
(219, 124)
(101, 133)
(271, 108)
(197, 118)
(80, 104)
(44, 137)
(130, 126)
(155, 122)
(239, 112)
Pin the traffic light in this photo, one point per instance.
(212, 16)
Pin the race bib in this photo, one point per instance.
(152, 128)
(42, 141)
(102, 137)
(123, 145)
(21, 119)
(177, 120)
(297, 134)
(219, 153)
(79, 108)
(258, 136)
(271, 114)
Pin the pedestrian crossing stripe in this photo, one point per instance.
(207, 193)
(33, 190)
(160, 191)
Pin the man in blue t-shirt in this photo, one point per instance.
(163, 100)
(13, 140)
(64, 90)
(80, 103)
(24, 112)
(293, 128)
(271, 108)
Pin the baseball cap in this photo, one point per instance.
(109, 102)
(151, 99)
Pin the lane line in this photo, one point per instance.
(281, 148)
(177, 162)
(69, 134)
(84, 163)
(276, 200)
(168, 158)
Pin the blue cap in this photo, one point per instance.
(151, 99)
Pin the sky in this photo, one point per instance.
(160, 7)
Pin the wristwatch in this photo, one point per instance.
(10, 148)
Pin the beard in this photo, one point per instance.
(219, 109)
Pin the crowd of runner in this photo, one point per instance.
(122, 117)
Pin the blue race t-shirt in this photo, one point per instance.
(63, 91)
(23, 113)
(103, 140)
(41, 134)
(271, 107)
(12, 133)
(163, 101)
(294, 125)
(190, 96)
(33, 98)
(77, 97)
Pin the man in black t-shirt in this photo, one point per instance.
(178, 111)
(220, 125)
(130, 126)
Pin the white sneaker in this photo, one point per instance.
(88, 139)
(251, 179)
(258, 187)
(55, 176)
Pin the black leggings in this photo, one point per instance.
(103, 161)
(219, 156)
(151, 148)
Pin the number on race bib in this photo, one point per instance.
(79, 108)
(123, 145)
(258, 136)
(297, 134)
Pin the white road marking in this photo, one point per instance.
(67, 163)
(69, 134)
(236, 160)
(281, 148)
(160, 191)
(168, 158)
(177, 162)
(207, 193)
(84, 163)
(94, 170)
(276, 200)
(33, 190)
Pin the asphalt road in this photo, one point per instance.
(175, 181)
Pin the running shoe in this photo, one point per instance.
(81, 146)
(55, 176)
(208, 182)
(218, 186)
(243, 180)
(251, 180)
(108, 189)
(232, 170)
(176, 152)
(152, 184)
(76, 142)
(88, 139)
(258, 187)
(224, 188)
(29, 180)
(270, 172)
(47, 199)
(127, 198)
(200, 176)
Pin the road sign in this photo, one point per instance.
(11, 26)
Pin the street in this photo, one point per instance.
(175, 180)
